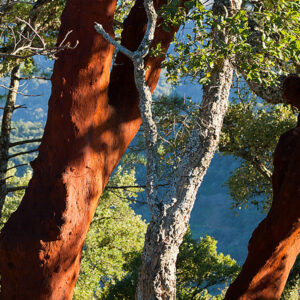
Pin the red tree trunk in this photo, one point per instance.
(275, 243)
(92, 118)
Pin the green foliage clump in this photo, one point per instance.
(115, 237)
(122, 10)
(250, 132)
(200, 266)
(263, 41)
(25, 131)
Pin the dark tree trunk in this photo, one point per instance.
(275, 243)
(92, 118)
(5, 132)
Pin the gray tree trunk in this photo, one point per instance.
(5, 132)
(170, 216)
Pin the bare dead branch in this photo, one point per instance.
(34, 77)
(22, 153)
(20, 93)
(24, 43)
(4, 179)
(20, 106)
(15, 189)
(17, 166)
(132, 186)
(24, 142)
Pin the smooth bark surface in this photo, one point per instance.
(92, 118)
(275, 243)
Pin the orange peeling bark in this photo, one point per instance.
(92, 118)
(275, 243)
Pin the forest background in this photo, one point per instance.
(233, 198)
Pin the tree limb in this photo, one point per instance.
(145, 95)
(19, 93)
(21, 153)
(254, 161)
(272, 94)
(17, 166)
(131, 186)
(4, 179)
(15, 188)
(24, 142)
(23, 41)
(35, 77)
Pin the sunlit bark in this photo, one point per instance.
(275, 243)
(93, 115)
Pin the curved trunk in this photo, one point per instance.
(90, 124)
(275, 243)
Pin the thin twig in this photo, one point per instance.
(20, 106)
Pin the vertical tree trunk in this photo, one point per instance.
(275, 243)
(170, 216)
(5, 132)
(90, 124)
